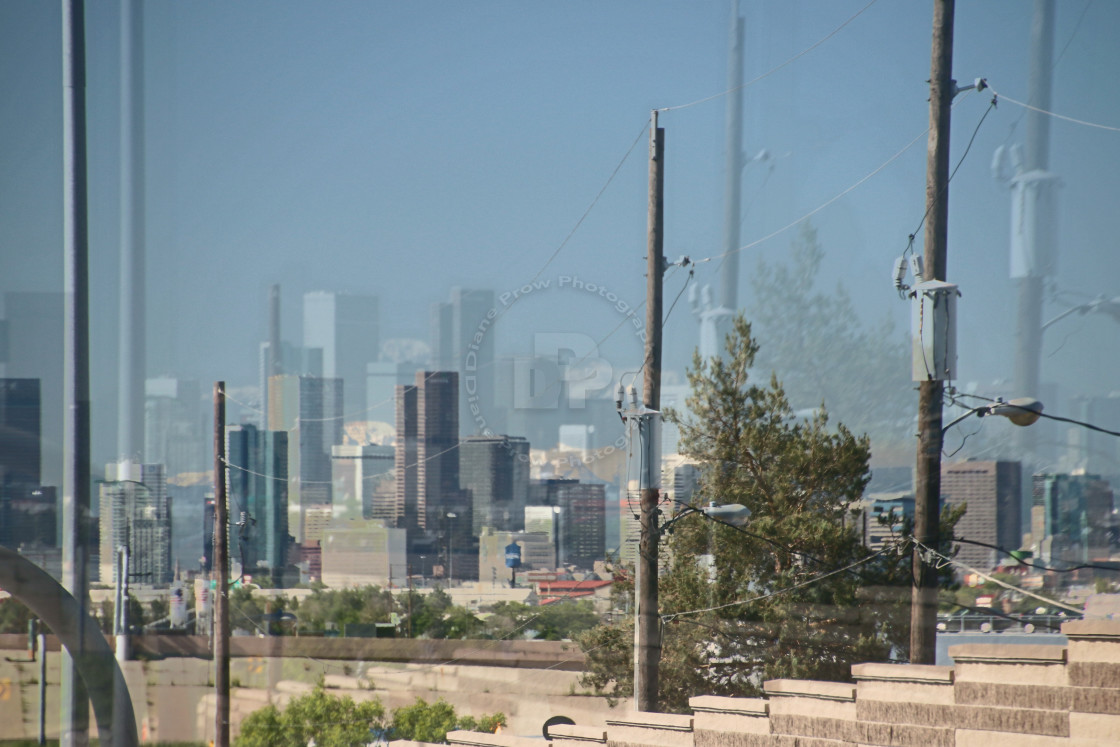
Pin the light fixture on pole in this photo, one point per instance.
(1022, 411)
(734, 514)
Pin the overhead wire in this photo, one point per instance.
(668, 617)
(1046, 415)
(945, 187)
(1029, 564)
(945, 559)
(1055, 115)
(820, 207)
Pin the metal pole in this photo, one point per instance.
(1036, 157)
(120, 618)
(76, 468)
(927, 478)
(221, 566)
(42, 641)
(733, 181)
(132, 329)
(647, 652)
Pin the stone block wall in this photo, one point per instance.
(994, 695)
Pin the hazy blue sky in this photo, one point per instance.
(401, 148)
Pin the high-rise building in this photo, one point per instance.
(1070, 517)
(463, 341)
(432, 404)
(437, 512)
(136, 513)
(582, 518)
(258, 500)
(310, 410)
(356, 471)
(495, 470)
(992, 492)
(31, 347)
(175, 426)
(345, 326)
(20, 432)
(406, 510)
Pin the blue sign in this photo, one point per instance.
(513, 555)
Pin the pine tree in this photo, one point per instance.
(793, 593)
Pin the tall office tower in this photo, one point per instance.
(175, 426)
(406, 510)
(136, 513)
(345, 327)
(437, 512)
(582, 518)
(357, 472)
(310, 410)
(31, 348)
(258, 500)
(1069, 517)
(495, 470)
(463, 341)
(992, 492)
(20, 454)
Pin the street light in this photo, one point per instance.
(734, 514)
(1022, 411)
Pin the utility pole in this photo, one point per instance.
(221, 565)
(927, 477)
(733, 178)
(1038, 187)
(647, 640)
(132, 327)
(75, 471)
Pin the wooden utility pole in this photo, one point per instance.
(221, 567)
(927, 476)
(647, 640)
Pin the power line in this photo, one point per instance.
(808, 582)
(946, 560)
(820, 207)
(1086, 123)
(971, 140)
(1021, 561)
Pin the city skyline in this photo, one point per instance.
(291, 188)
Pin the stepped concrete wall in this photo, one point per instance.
(994, 695)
